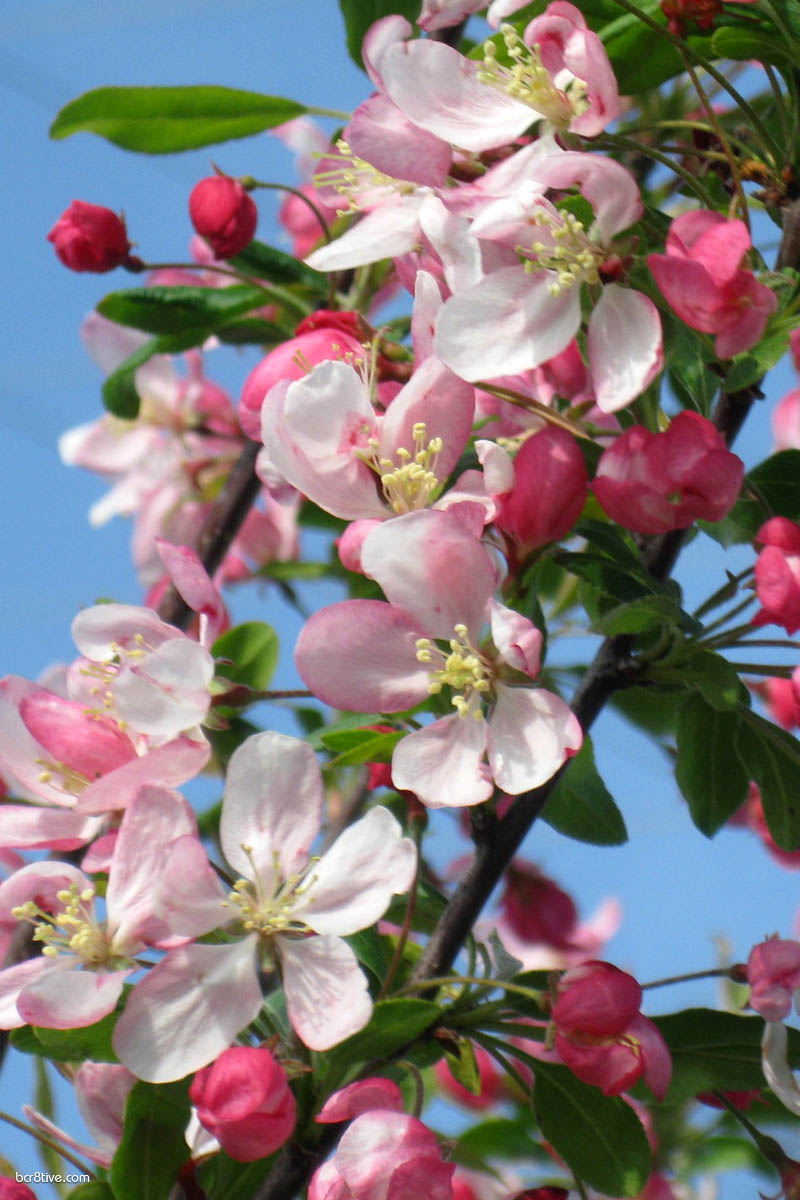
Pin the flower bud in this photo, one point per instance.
(245, 1101)
(88, 237)
(224, 214)
(550, 487)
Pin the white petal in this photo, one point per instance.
(386, 232)
(188, 1010)
(531, 733)
(777, 1072)
(326, 992)
(442, 764)
(353, 883)
(625, 346)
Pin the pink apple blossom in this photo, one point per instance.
(85, 961)
(601, 1035)
(777, 574)
(702, 279)
(383, 1153)
(439, 583)
(655, 482)
(528, 310)
(289, 913)
(245, 1101)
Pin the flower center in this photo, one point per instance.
(529, 81)
(354, 177)
(74, 930)
(411, 482)
(270, 915)
(464, 670)
(564, 247)
(58, 774)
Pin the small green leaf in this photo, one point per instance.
(98, 1189)
(648, 612)
(501, 1137)
(153, 1147)
(746, 369)
(394, 1025)
(178, 309)
(222, 1178)
(69, 1045)
(368, 948)
(163, 120)
(358, 746)
(253, 651)
(708, 771)
(460, 1055)
(714, 678)
(581, 806)
(599, 1137)
(267, 262)
(745, 45)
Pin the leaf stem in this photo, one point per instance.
(711, 973)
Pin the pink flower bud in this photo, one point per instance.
(224, 214)
(773, 972)
(550, 487)
(655, 482)
(14, 1189)
(536, 908)
(88, 237)
(596, 998)
(245, 1101)
(777, 574)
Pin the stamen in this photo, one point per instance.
(529, 81)
(410, 483)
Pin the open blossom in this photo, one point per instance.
(601, 1035)
(79, 976)
(101, 1090)
(528, 308)
(655, 482)
(702, 279)
(245, 1101)
(439, 583)
(289, 912)
(383, 1153)
(559, 73)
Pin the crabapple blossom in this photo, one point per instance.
(245, 1101)
(701, 277)
(702, 12)
(777, 574)
(224, 213)
(528, 309)
(655, 482)
(439, 583)
(601, 1035)
(290, 911)
(79, 976)
(383, 1152)
(88, 237)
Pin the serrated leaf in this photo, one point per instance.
(716, 1050)
(581, 806)
(267, 262)
(599, 1137)
(355, 749)
(163, 120)
(153, 1147)
(253, 649)
(711, 777)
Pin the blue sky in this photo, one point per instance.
(678, 890)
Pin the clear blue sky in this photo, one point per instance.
(678, 890)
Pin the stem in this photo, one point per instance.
(721, 594)
(723, 140)
(46, 1141)
(404, 931)
(711, 973)
(284, 187)
(619, 140)
(535, 406)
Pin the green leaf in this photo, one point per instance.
(253, 651)
(500, 1137)
(162, 120)
(771, 757)
(689, 365)
(358, 746)
(69, 1045)
(120, 396)
(714, 678)
(178, 309)
(708, 771)
(599, 1137)
(368, 948)
(719, 1050)
(647, 612)
(747, 369)
(252, 331)
(581, 806)
(460, 1055)
(358, 15)
(394, 1024)
(267, 262)
(744, 45)
(98, 1189)
(221, 1178)
(153, 1147)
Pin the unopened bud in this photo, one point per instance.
(88, 237)
(224, 214)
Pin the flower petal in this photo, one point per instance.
(442, 764)
(531, 733)
(326, 991)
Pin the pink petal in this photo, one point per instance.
(440, 400)
(63, 998)
(361, 655)
(326, 991)
(273, 806)
(517, 639)
(167, 692)
(12, 981)
(625, 346)
(192, 581)
(531, 733)
(33, 828)
(442, 764)
(363, 1096)
(171, 764)
(388, 231)
(352, 884)
(188, 1010)
(380, 134)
